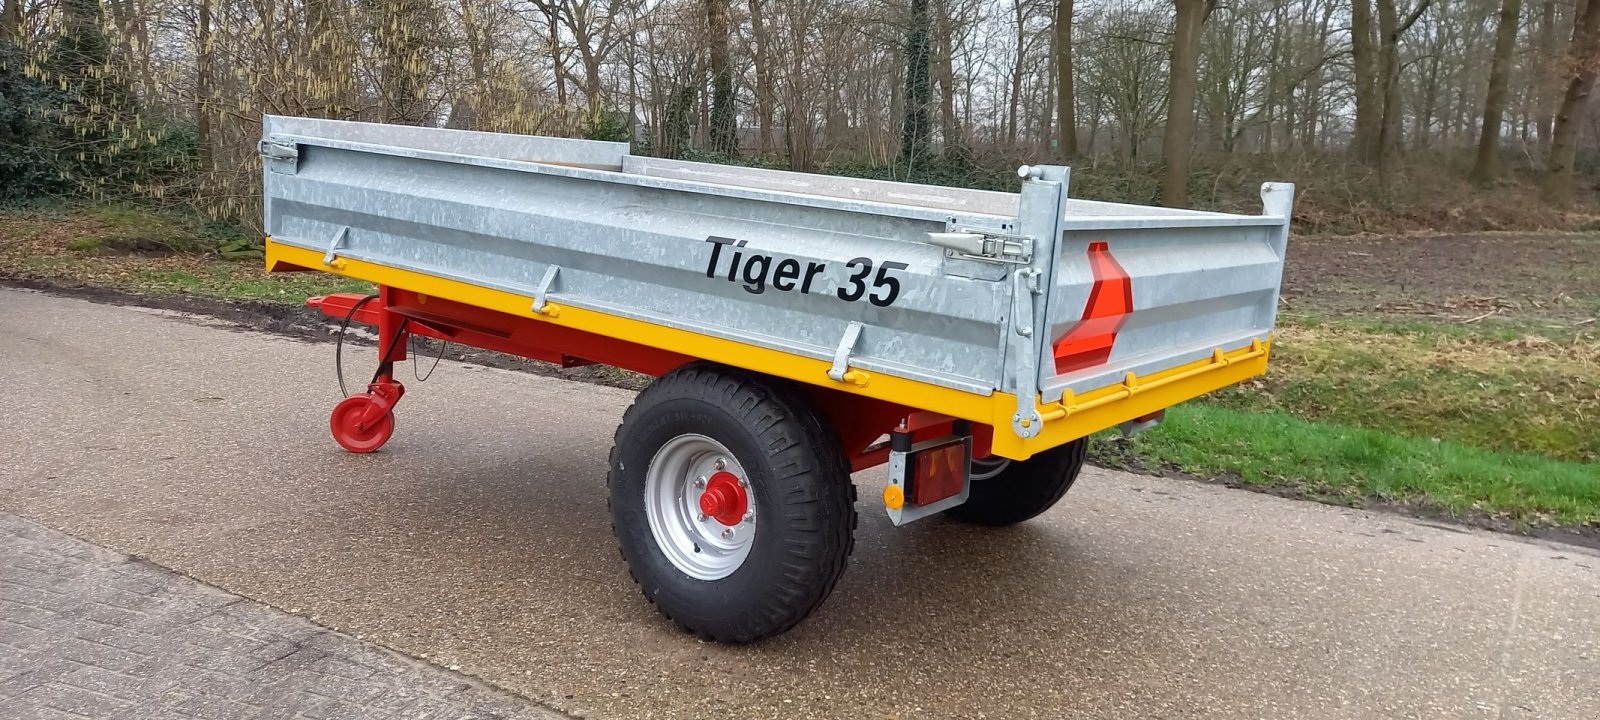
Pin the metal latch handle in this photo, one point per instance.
(984, 246)
(968, 243)
(281, 156)
(278, 150)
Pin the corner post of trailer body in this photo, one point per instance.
(1277, 201)
(1043, 200)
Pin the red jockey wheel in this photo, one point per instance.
(725, 499)
(362, 423)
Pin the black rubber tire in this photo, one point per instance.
(799, 480)
(1023, 489)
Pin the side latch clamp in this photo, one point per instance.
(984, 245)
(281, 157)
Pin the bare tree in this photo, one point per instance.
(11, 22)
(1544, 114)
(1391, 28)
(1369, 101)
(1177, 143)
(724, 122)
(1583, 63)
(761, 57)
(1485, 166)
(1124, 69)
(917, 126)
(831, 82)
(203, 74)
(1066, 107)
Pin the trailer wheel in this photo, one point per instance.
(732, 502)
(1007, 492)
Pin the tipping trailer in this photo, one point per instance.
(799, 327)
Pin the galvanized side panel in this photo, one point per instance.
(1194, 289)
(955, 200)
(799, 273)
(897, 193)
(1102, 209)
(525, 148)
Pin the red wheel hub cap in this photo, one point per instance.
(725, 499)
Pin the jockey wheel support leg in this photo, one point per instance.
(363, 422)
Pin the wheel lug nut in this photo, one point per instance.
(719, 464)
(727, 534)
(702, 517)
(749, 517)
(700, 482)
(744, 483)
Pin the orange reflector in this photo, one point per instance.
(894, 497)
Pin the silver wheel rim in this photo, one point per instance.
(700, 546)
(985, 468)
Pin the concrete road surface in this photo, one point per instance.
(86, 632)
(478, 539)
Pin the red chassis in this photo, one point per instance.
(363, 422)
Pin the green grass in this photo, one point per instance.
(148, 251)
(1350, 465)
(1494, 328)
(1493, 388)
(223, 280)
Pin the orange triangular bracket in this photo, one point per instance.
(1089, 342)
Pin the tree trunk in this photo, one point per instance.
(1318, 79)
(916, 129)
(591, 79)
(202, 83)
(764, 91)
(680, 118)
(1389, 79)
(473, 115)
(11, 23)
(1017, 70)
(402, 50)
(724, 131)
(955, 144)
(1583, 62)
(1391, 28)
(1041, 115)
(1066, 107)
(1178, 140)
(1368, 102)
(1422, 120)
(558, 64)
(1269, 108)
(1544, 103)
(1494, 104)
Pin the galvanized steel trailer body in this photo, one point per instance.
(1034, 318)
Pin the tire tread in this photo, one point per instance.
(1024, 489)
(770, 409)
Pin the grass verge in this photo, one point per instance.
(1357, 466)
(1509, 388)
(136, 251)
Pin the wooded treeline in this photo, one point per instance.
(164, 97)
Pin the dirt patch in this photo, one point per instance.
(1540, 277)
